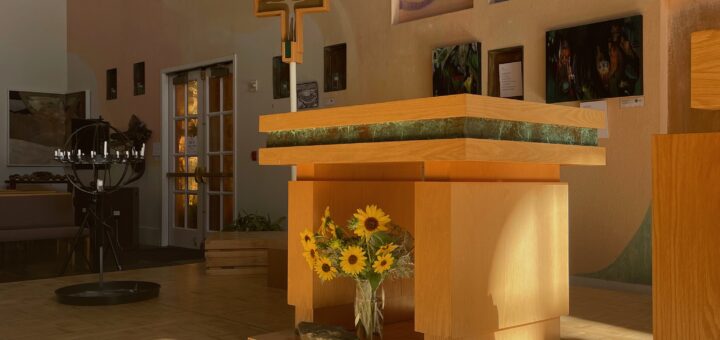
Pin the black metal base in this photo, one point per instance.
(107, 293)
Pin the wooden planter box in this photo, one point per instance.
(263, 252)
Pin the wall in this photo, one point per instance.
(33, 57)
(685, 17)
(385, 62)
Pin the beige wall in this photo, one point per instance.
(385, 62)
(33, 57)
(685, 17)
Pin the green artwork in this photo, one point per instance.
(456, 69)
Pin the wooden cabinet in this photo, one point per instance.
(686, 236)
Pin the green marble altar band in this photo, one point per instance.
(461, 127)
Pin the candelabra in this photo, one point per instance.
(99, 174)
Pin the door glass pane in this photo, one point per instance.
(227, 209)
(192, 98)
(214, 210)
(228, 93)
(180, 100)
(192, 212)
(180, 182)
(180, 136)
(227, 171)
(214, 169)
(192, 167)
(214, 99)
(180, 211)
(191, 143)
(214, 137)
(228, 132)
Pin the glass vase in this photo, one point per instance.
(368, 318)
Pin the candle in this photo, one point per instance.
(79, 153)
(117, 154)
(142, 151)
(105, 149)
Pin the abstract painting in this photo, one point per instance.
(308, 95)
(595, 61)
(456, 69)
(39, 123)
(408, 10)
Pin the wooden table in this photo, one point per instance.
(475, 179)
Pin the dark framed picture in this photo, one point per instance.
(308, 95)
(111, 89)
(336, 68)
(456, 69)
(600, 60)
(505, 73)
(281, 79)
(39, 123)
(139, 78)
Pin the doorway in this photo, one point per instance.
(199, 172)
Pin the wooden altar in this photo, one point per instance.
(475, 179)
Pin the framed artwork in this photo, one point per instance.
(456, 69)
(308, 95)
(281, 79)
(39, 123)
(408, 10)
(139, 78)
(335, 68)
(595, 61)
(111, 89)
(505, 73)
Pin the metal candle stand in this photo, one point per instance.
(98, 185)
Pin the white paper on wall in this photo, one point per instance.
(511, 82)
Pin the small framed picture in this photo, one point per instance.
(308, 96)
(139, 78)
(505, 73)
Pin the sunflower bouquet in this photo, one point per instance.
(369, 249)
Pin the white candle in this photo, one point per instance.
(79, 153)
(105, 149)
(117, 154)
(142, 151)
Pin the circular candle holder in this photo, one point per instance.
(99, 160)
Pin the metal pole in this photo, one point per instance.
(293, 106)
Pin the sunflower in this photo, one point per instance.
(353, 260)
(307, 239)
(372, 220)
(311, 255)
(387, 249)
(325, 269)
(383, 263)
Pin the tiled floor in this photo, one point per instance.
(195, 306)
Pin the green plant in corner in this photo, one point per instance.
(255, 222)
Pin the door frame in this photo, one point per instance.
(165, 76)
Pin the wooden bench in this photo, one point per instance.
(263, 252)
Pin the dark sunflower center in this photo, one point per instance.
(326, 267)
(307, 238)
(352, 259)
(383, 263)
(371, 224)
(312, 252)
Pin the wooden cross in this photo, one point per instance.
(291, 16)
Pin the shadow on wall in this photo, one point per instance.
(634, 265)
